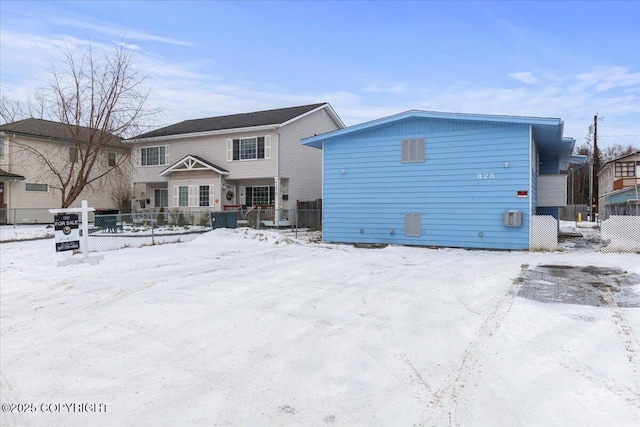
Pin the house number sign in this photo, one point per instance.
(486, 175)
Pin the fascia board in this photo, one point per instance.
(315, 141)
(207, 133)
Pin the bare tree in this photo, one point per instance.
(10, 110)
(98, 96)
(618, 150)
(121, 196)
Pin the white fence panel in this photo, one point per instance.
(544, 233)
(620, 234)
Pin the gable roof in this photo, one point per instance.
(275, 117)
(544, 126)
(46, 129)
(617, 159)
(547, 132)
(8, 176)
(192, 162)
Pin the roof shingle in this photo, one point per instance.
(233, 121)
(53, 130)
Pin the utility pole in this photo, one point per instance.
(595, 168)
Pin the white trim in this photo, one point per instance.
(532, 149)
(194, 196)
(267, 148)
(191, 165)
(212, 195)
(332, 113)
(273, 126)
(166, 156)
(208, 133)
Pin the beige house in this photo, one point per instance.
(29, 187)
(619, 186)
(231, 162)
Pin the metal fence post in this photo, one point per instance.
(258, 218)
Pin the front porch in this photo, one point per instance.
(261, 215)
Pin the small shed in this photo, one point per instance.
(443, 179)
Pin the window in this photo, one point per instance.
(193, 195)
(413, 151)
(30, 186)
(204, 195)
(1, 147)
(73, 154)
(154, 156)
(161, 198)
(183, 195)
(111, 159)
(249, 148)
(625, 168)
(260, 195)
(412, 224)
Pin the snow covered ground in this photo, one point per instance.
(244, 327)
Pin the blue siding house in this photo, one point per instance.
(443, 179)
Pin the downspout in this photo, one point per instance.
(278, 201)
(532, 162)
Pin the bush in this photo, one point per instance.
(161, 219)
(182, 220)
(204, 219)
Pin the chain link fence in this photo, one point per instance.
(621, 234)
(110, 230)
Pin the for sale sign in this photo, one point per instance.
(67, 234)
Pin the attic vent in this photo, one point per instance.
(413, 150)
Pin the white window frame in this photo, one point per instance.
(157, 198)
(26, 187)
(209, 194)
(1, 148)
(266, 154)
(161, 161)
(193, 195)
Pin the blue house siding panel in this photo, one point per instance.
(623, 196)
(420, 126)
(549, 165)
(462, 189)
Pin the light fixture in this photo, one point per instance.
(506, 164)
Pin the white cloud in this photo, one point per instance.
(115, 30)
(525, 77)
(395, 88)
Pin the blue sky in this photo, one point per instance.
(368, 59)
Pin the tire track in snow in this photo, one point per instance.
(443, 406)
(623, 329)
(629, 340)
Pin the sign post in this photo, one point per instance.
(67, 236)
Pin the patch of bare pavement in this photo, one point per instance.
(594, 286)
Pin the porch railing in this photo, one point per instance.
(621, 183)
